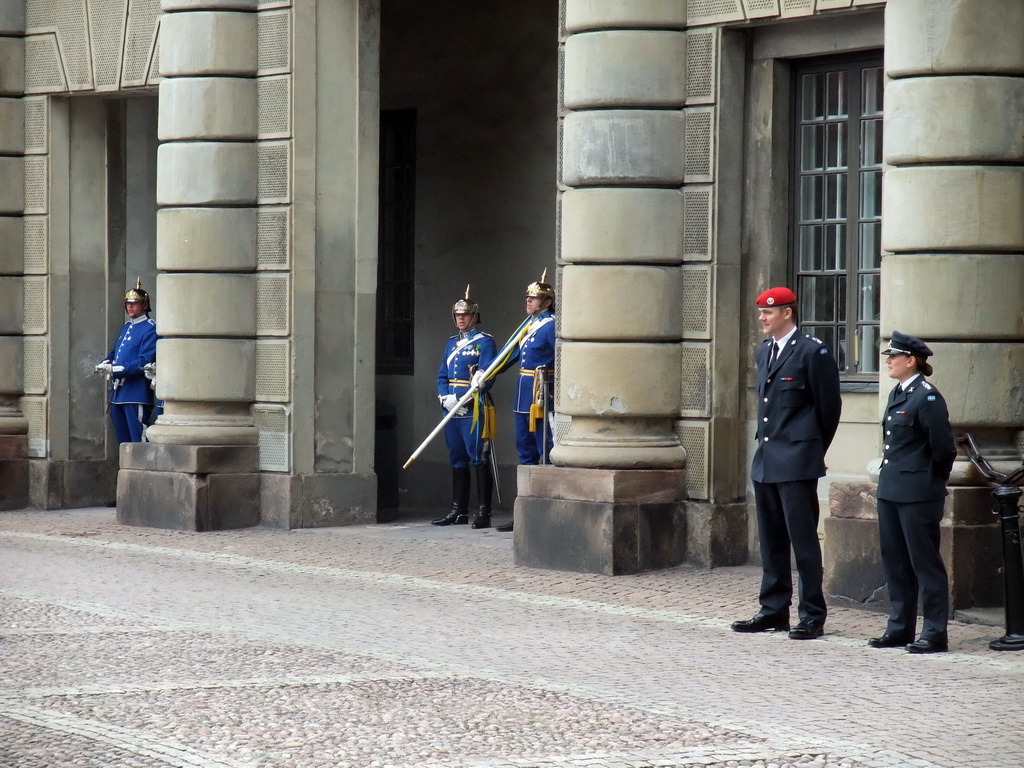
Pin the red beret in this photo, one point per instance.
(776, 297)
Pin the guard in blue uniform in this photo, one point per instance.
(798, 408)
(919, 450)
(131, 397)
(468, 433)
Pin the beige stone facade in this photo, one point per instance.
(644, 149)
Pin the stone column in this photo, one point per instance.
(13, 425)
(953, 198)
(621, 321)
(205, 441)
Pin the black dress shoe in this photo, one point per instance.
(928, 646)
(504, 528)
(807, 629)
(455, 517)
(889, 641)
(762, 623)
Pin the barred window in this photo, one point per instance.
(837, 210)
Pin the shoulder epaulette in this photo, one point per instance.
(926, 385)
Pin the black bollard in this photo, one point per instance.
(1007, 497)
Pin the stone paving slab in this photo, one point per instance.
(410, 645)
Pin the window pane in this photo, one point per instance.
(872, 89)
(870, 194)
(835, 247)
(811, 255)
(835, 196)
(836, 88)
(812, 147)
(868, 309)
(813, 97)
(870, 143)
(817, 299)
(811, 198)
(871, 245)
(836, 143)
(839, 349)
(867, 338)
(841, 299)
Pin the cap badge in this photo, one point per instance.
(770, 300)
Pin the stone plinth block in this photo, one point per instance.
(625, 69)
(207, 108)
(971, 548)
(624, 148)
(620, 443)
(13, 446)
(14, 484)
(587, 292)
(55, 484)
(634, 485)
(208, 5)
(12, 17)
(317, 501)
(12, 67)
(206, 239)
(12, 300)
(206, 304)
(205, 370)
(622, 226)
(989, 287)
(12, 190)
(12, 357)
(953, 208)
(191, 459)
(619, 380)
(181, 501)
(954, 119)
(980, 382)
(925, 37)
(12, 126)
(716, 534)
(624, 14)
(12, 245)
(208, 43)
(206, 173)
(611, 538)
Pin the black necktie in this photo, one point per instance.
(772, 355)
(899, 389)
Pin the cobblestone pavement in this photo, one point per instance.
(415, 646)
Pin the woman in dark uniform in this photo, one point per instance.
(916, 461)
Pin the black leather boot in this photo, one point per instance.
(459, 513)
(484, 489)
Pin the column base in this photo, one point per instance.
(318, 501)
(600, 521)
(188, 487)
(55, 484)
(14, 477)
(971, 548)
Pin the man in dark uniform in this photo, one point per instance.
(919, 450)
(798, 408)
(131, 398)
(468, 432)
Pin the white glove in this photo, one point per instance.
(478, 380)
(448, 401)
(104, 368)
(462, 411)
(149, 371)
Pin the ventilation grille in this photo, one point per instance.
(273, 238)
(560, 157)
(558, 229)
(69, 16)
(274, 56)
(699, 149)
(264, 4)
(36, 245)
(563, 32)
(154, 63)
(106, 22)
(35, 305)
(701, 66)
(35, 364)
(36, 125)
(694, 437)
(696, 385)
(272, 304)
(274, 168)
(713, 11)
(140, 41)
(34, 409)
(759, 9)
(35, 183)
(273, 371)
(272, 423)
(274, 95)
(561, 81)
(828, 5)
(697, 302)
(43, 70)
(796, 8)
(558, 366)
(562, 425)
(558, 292)
(697, 223)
